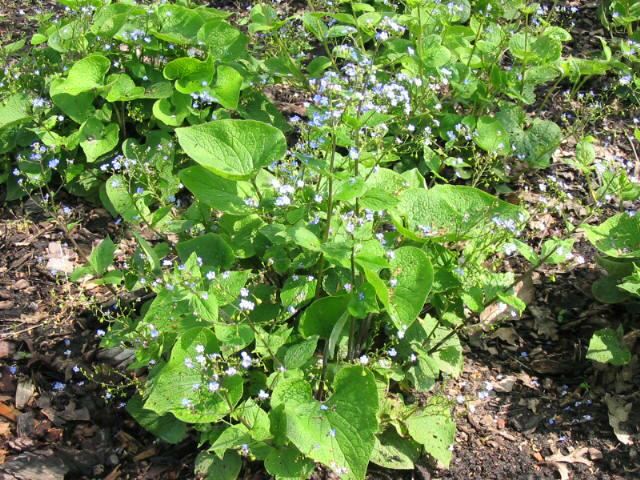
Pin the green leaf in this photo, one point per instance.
(166, 427)
(109, 19)
(350, 189)
(227, 87)
(539, 50)
(233, 337)
(212, 467)
(122, 88)
(287, 463)
(38, 39)
(172, 111)
(255, 418)
(305, 238)
(448, 358)
(211, 248)
(451, 212)
(340, 435)
(606, 346)
(171, 312)
(313, 23)
(179, 24)
(190, 74)
(321, 316)
(394, 452)
(13, 47)
(297, 290)
(434, 428)
(412, 270)
(538, 142)
(605, 290)
(102, 256)
(85, 75)
(150, 253)
(617, 237)
(300, 353)
(557, 251)
(492, 136)
(233, 149)
(225, 42)
(363, 301)
(77, 107)
(97, 139)
(232, 437)
(227, 287)
(14, 110)
(631, 283)
(172, 387)
(214, 191)
(122, 202)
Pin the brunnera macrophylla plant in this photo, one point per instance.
(617, 241)
(308, 289)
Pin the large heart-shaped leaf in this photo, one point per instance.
(227, 87)
(538, 142)
(234, 149)
(210, 248)
(434, 428)
(224, 41)
(78, 108)
(406, 291)
(110, 18)
(178, 24)
(212, 467)
(321, 316)
(214, 191)
(167, 427)
(14, 110)
(606, 346)
(180, 386)
(340, 433)
(191, 74)
(492, 136)
(85, 75)
(617, 237)
(452, 212)
(97, 139)
(393, 451)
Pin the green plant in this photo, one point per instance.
(309, 278)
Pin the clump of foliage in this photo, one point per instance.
(618, 243)
(310, 277)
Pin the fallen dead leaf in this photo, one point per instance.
(532, 404)
(5, 429)
(60, 258)
(114, 475)
(618, 415)
(508, 335)
(24, 392)
(578, 455)
(6, 304)
(41, 464)
(21, 284)
(148, 453)
(8, 412)
(7, 349)
(505, 385)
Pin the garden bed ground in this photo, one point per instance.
(529, 405)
